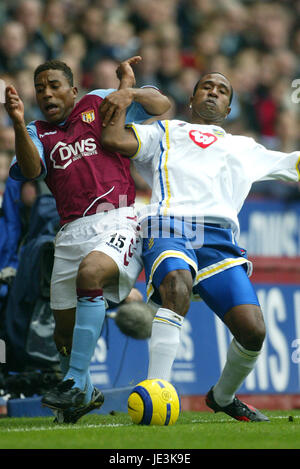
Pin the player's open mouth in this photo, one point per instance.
(211, 101)
(51, 109)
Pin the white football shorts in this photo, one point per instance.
(114, 233)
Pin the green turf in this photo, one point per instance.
(192, 430)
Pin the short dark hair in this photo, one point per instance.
(55, 65)
(214, 73)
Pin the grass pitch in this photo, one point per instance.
(193, 430)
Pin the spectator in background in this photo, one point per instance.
(17, 202)
(5, 160)
(147, 69)
(295, 43)
(119, 40)
(24, 84)
(103, 74)
(170, 64)
(138, 16)
(287, 130)
(91, 27)
(275, 27)
(235, 29)
(54, 28)
(159, 13)
(206, 44)
(75, 46)
(29, 13)
(7, 139)
(181, 89)
(32, 60)
(12, 47)
(191, 16)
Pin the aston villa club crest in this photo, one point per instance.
(88, 116)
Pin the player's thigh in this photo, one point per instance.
(171, 283)
(226, 290)
(161, 257)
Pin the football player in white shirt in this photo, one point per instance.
(200, 177)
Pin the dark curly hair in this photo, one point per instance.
(55, 65)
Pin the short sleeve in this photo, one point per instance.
(268, 164)
(149, 139)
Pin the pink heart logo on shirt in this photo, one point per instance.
(202, 139)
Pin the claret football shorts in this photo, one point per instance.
(113, 233)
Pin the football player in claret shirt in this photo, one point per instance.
(200, 176)
(97, 248)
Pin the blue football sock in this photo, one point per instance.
(89, 388)
(90, 315)
(64, 366)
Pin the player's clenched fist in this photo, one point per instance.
(113, 104)
(14, 105)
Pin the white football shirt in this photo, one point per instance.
(200, 170)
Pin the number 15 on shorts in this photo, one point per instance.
(117, 240)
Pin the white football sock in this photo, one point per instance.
(240, 362)
(164, 342)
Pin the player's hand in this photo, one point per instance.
(112, 106)
(125, 72)
(14, 105)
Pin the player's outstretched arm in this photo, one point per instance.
(26, 152)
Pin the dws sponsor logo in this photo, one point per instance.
(64, 154)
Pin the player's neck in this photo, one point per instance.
(202, 121)
(205, 118)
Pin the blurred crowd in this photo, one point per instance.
(256, 44)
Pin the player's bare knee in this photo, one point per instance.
(253, 338)
(96, 271)
(246, 323)
(88, 276)
(175, 291)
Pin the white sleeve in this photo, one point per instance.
(267, 164)
(149, 137)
